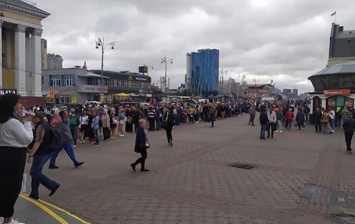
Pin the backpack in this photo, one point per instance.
(56, 142)
(100, 122)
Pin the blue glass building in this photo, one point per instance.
(202, 72)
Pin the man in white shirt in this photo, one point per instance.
(271, 115)
(332, 119)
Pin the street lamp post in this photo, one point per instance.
(165, 61)
(101, 43)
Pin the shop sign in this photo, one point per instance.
(330, 92)
(6, 91)
(145, 79)
(92, 89)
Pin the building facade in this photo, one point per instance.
(203, 73)
(21, 32)
(334, 86)
(126, 82)
(341, 45)
(73, 85)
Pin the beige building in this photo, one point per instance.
(21, 31)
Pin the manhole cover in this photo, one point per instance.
(245, 166)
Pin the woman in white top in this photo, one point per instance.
(14, 138)
(83, 126)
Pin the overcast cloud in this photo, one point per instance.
(281, 40)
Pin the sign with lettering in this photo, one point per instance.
(92, 89)
(330, 92)
(6, 91)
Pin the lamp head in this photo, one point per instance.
(112, 48)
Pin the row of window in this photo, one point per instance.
(69, 80)
(127, 84)
(62, 80)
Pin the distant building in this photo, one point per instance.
(202, 71)
(73, 85)
(54, 61)
(341, 45)
(286, 91)
(295, 92)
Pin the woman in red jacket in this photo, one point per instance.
(289, 117)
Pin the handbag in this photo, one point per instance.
(130, 119)
(274, 126)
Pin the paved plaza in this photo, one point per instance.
(300, 177)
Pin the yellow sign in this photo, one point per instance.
(130, 78)
(52, 93)
(73, 99)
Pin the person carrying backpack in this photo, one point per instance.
(39, 154)
(64, 129)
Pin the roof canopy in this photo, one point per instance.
(343, 68)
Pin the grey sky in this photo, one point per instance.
(281, 40)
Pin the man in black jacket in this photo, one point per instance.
(317, 115)
(263, 122)
(169, 119)
(349, 126)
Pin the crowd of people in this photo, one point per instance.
(32, 131)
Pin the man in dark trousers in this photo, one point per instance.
(349, 126)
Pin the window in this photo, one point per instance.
(68, 80)
(42, 80)
(54, 80)
(93, 81)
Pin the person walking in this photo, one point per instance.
(169, 118)
(349, 127)
(14, 138)
(300, 118)
(289, 118)
(263, 123)
(64, 129)
(40, 152)
(141, 146)
(212, 114)
(279, 118)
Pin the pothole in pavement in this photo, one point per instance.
(245, 166)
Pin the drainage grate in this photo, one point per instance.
(244, 166)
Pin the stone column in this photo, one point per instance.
(20, 60)
(8, 49)
(36, 62)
